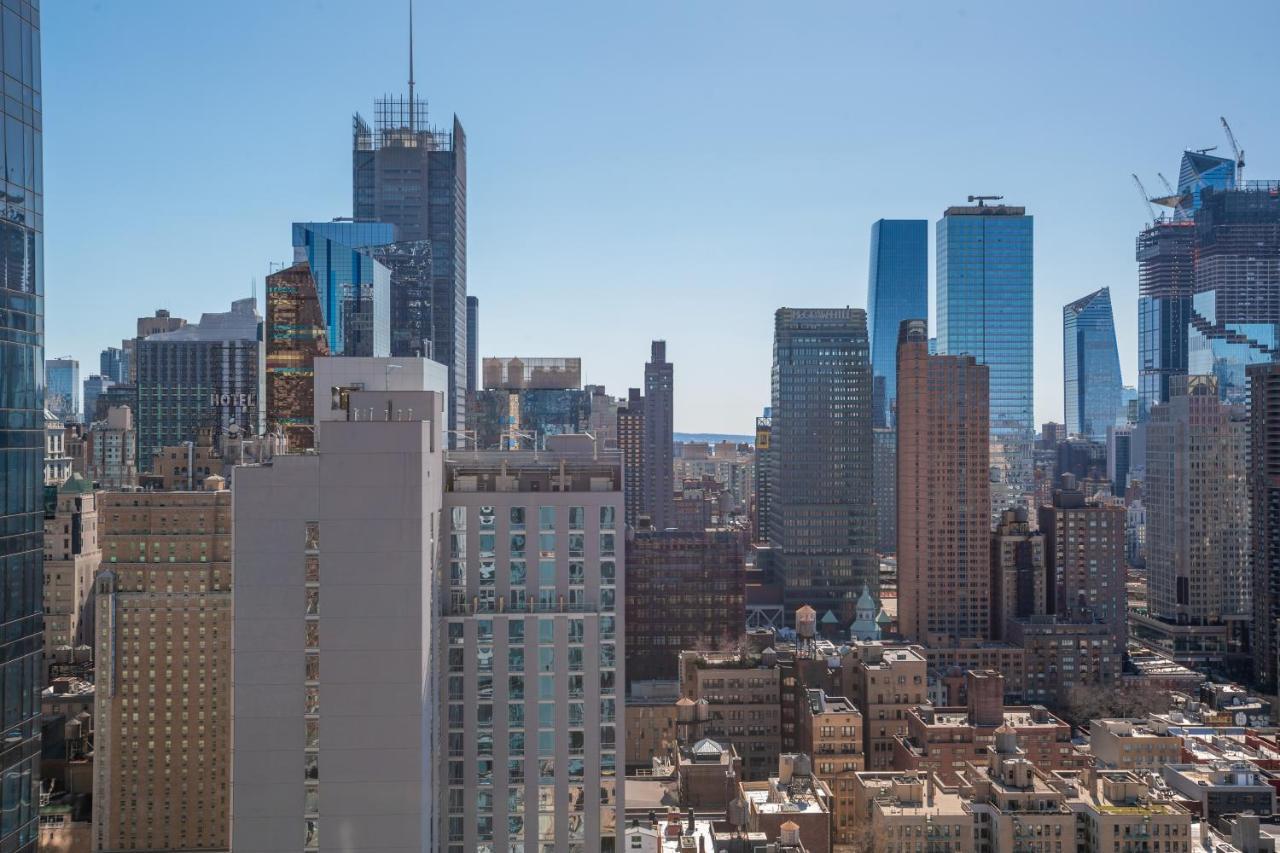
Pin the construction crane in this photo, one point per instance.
(1236, 149)
(1168, 187)
(1146, 199)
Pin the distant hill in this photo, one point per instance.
(712, 437)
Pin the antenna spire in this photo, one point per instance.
(412, 125)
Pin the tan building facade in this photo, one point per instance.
(830, 731)
(744, 696)
(162, 646)
(71, 556)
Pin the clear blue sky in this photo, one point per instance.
(670, 170)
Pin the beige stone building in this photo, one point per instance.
(900, 812)
(829, 730)
(890, 681)
(744, 695)
(1132, 745)
(163, 709)
(71, 556)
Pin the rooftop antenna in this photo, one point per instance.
(412, 126)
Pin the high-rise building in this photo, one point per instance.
(1196, 495)
(1235, 309)
(1091, 366)
(409, 262)
(201, 376)
(113, 363)
(354, 289)
(62, 382)
(897, 290)
(71, 556)
(414, 176)
(524, 400)
(1084, 551)
(884, 448)
(22, 432)
(631, 446)
(294, 337)
(473, 343)
(763, 468)
(1019, 580)
(162, 653)
(984, 309)
(1119, 458)
(821, 504)
(111, 457)
(95, 386)
(337, 633)
(658, 486)
(1264, 517)
(534, 658)
(685, 590)
(944, 502)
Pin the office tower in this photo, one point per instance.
(294, 335)
(524, 400)
(1197, 508)
(202, 375)
(657, 486)
(336, 634)
(1235, 308)
(822, 512)
(353, 288)
(685, 590)
(631, 445)
(1264, 517)
(1200, 171)
(897, 290)
(1018, 577)
(1085, 460)
(944, 500)
(884, 449)
(763, 468)
(71, 556)
(1084, 550)
(473, 343)
(409, 262)
(414, 176)
(1051, 433)
(111, 457)
(95, 387)
(162, 652)
(535, 640)
(1090, 366)
(62, 379)
(1119, 458)
(22, 398)
(113, 363)
(984, 307)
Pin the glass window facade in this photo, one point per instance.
(1091, 366)
(22, 394)
(897, 290)
(354, 289)
(984, 308)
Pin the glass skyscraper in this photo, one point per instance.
(62, 387)
(822, 523)
(1091, 380)
(22, 428)
(897, 290)
(984, 308)
(354, 289)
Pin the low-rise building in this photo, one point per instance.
(1118, 810)
(794, 796)
(898, 810)
(743, 693)
(1131, 745)
(1221, 788)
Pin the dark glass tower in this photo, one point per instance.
(821, 510)
(22, 428)
(1165, 253)
(473, 343)
(984, 306)
(1090, 366)
(414, 176)
(658, 486)
(897, 290)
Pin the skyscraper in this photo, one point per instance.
(410, 264)
(631, 446)
(658, 487)
(984, 308)
(337, 637)
(473, 343)
(95, 386)
(764, 467)
(294, 336)
(821, 507)
(524, 400)
(1090, 366)
(414, 176)
(62, 377)
(354, 289)
(897, 290)
(1264, 499)
(1196, 496)
(944, 500)
(885, 454)
(22, 398)
(113, 363)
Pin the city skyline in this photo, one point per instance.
(534, 223)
